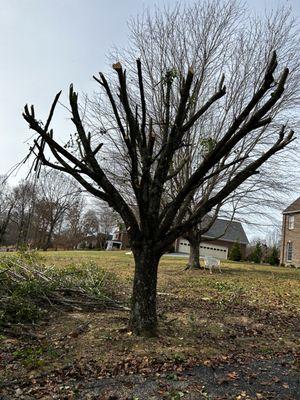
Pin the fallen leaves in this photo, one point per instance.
(232, 340)
(232, 375)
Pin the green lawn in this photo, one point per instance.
(261, 285)
(247, 311)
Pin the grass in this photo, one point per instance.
(29, 288)
(247, 311)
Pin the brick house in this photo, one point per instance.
(218, 240)
(290, 240)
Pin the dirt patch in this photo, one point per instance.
(220, 379)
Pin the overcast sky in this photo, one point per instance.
(47, 44)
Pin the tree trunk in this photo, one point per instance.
(143, 318)
(2, 233)
(194, 259)
(3, 227)
(48, 238)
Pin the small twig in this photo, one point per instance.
(166, 294)
(171, 320)
(4, 270)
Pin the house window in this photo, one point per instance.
(289, 251)
(291, 221)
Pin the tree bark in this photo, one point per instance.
(3, 227)
(194, 238)
(48, 238)
(194, 259)
(143, 318)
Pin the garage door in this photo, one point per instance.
(206, 249)
(184, 246)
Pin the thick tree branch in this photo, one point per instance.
(227, 143)
(183, 162)
(115, 199)
(131, 148)
(167, 152)
(220, 93)
(133, 126)
(143, 102)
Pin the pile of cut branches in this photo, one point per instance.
(29, 288)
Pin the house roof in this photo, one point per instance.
(230, 231)
(294, 207)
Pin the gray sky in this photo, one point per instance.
(47, 44)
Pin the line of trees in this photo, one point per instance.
(51, 212)
(259, 251)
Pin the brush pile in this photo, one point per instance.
(29, 288)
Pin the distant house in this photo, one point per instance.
(218, 240)
(290, 240)
(119, 239)
(93, 242)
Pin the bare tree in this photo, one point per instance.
(6, 207)
(91, 223)
(174, 38)
(74, 223)
(96, 225)
(108, 219)
(147, 163)
(24, 198)
(57, 197)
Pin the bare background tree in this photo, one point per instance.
(6, 207)
(58, 197)
(24, 195)
(205, 35)
(52, 212)
(35, 213)
(108, 218)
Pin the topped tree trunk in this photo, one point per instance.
(143, 318)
